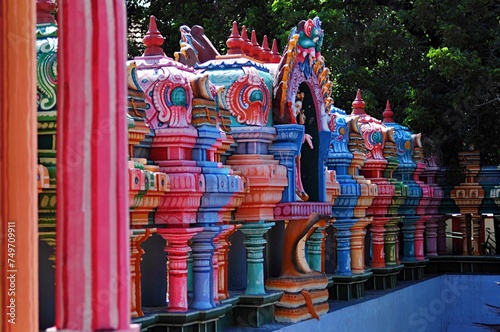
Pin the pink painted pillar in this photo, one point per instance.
(92, 265)
(178, 250)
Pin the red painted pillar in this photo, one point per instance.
(18, 152)
(178, 249)
(92, 265)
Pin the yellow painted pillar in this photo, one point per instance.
(18, 151)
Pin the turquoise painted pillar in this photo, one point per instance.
(315, 244)
(255, 244)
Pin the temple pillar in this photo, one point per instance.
(419, 238)
(358, 232)
(255, 244)
(441, 236)
(177, 249)
(203, 275)
(222, 247)
(476, 231)
(137, 237)
(391, 250)
(378, 231)
(343, 242)
(92, 219)
(316, 249)
(18, 153)
(468, 196)
(431, 231)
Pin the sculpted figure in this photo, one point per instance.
(301, 119)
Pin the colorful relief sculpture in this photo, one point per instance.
(302, 89)
(377, 138)
(468, 196)
(168, 97)
(305, 294)
(425, 201)
(247, 95)
(435, 233)
(391, 240)
(405, 146)
(46, 51)
(360, 142)
(339, 158)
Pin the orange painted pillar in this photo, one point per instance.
(92, 252)
(18, 153)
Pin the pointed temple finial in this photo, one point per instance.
(247, 44)
(358, 104)
(234, 42)
(153, 39)
(44, 10)
(255, 46)
(388, 113)
(266, 54)
(276, 58)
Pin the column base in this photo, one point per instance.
(464, 264)
(156, 319)
(255, 310)
(350, 287)
(413, 270)
(384, 277)
(304, 297)
(228, 319)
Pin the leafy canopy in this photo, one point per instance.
(436, 60)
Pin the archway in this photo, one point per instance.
(310, 157)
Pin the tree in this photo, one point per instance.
(436, 60)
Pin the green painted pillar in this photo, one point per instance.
(255, 244)
(390, 242)
(315, 247)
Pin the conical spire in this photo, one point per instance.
(234, 42)
(256, 50)
(44, 10)
(266, 54)
(276, 58)
(358, 104)
(247, 44)
(388, 113)
(153, 39)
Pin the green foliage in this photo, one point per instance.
(436, 60)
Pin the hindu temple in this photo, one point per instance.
(201, 191)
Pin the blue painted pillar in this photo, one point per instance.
(286, 148)
(339, 158)
(203, 252)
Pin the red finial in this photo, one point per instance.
(153, 39)
(247, 44)
(255, 46)
(44, 10)
(358, 104)
(234, 42)
(276, 58)
(388, 113)
(266, 54)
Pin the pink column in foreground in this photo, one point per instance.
(92, 265)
